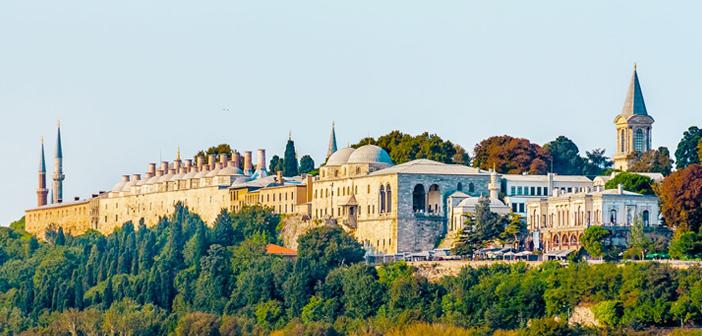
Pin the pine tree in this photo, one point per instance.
(290, 166)
(223, 232)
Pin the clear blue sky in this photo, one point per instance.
(131, 79)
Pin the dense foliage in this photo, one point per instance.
(686, 153)
(290, 164)
(182, 277)
(632, 182)
(653, 161)
(680, 197)
(567, 160)
(404, 147)
(216, 150)
(510, 155)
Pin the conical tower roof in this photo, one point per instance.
(59, 150)
(332, 142)
(42, 161)
(634, 103)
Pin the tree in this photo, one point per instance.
(461, 157)
(404, 147)
(276, 164)
(198, 324)
(216, 150)
(480, 228)
(632, 182)
(565, 155)
(290, 167)
(686, 153)
(596, 162)
(699, 149)
(686, 245)
(511, 155)
(594, 241)
(680, 196)
(223, 231)
(306, 164)
(514, 230)
(60, 237)
(653, 161)
(638, 241)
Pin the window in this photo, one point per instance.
(471, 187)
(519, 190)
(512, 191)
(639, 140)
(388, 198)
(532, 191)
(613, 217)
(645, 217)
(514, 207)
(418, 199)
(538, 191)
(521, 207)
(382, 199)
(622, 141)
(545, 191)
(459, 187)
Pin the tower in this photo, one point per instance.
(58, 169)
(494, 185)
(633, 126)
(332, 142)
(41, 190)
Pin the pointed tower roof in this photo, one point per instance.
(634, 103)
(59, 150)
(332, 142)
(42, 161)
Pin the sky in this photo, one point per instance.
(132, 80)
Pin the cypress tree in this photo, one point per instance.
(60, 237)
(107, 295)
(290, 166)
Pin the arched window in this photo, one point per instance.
(382, 199)
(434, 198)
(639, 140)
(556, 240)
(388, 198)
(418, 199)
(613, 217)
(459, 187)
(646, 218)
(622, 141)
(573, 240)
(471, 187)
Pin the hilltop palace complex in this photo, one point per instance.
(389, 208)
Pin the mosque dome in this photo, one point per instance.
(340, 157)
(370, 154)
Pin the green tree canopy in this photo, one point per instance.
(686, 153)
(594, 241)
(632, 182)
(306, 164)
(216, 150)
(404, 147)
(290, 165)
(565, 155)
(511, 155)
(653, 161)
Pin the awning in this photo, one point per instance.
(559, 253)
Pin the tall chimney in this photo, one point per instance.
(261, 158)
(159, 172)
(136, 177)
(188, 164)
(164, 167)
(248, 168)
(200, 162)
(236, 157)
(152, 169)
(125, 178)
(223, 158)
(279, 177)
(172, 171)
(211, 162)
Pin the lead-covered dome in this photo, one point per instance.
(370, 154)
(340, 157)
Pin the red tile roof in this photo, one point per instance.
(280, 250)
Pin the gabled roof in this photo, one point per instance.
(634, 102)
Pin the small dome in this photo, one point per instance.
(189, 175)
(151, 180)
(229, 171)
(370, 154)
(340, 157)
(200, 174)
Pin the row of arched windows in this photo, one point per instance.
(385, 205)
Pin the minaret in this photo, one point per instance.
(633, 125)
(58, 172)
(332, 142)
(41, 190)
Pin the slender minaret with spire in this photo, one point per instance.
(494, 185)
(41, 190)
(58, 169)
(332, 142)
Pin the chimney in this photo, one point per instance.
(261, 159)
(223, 158)
(172, 171)
(136, 177)
(188, 164)
(236, 157)
(125, 178)
(164, 166)
(176, 164)
(159, 172)
(76, 198)
(279, 177)
(200, 161)
(211, 162)
(247, 162)
(620, 189)
(151, 169)
(309, 180)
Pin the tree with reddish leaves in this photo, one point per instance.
(680, 196)
(511, 155)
